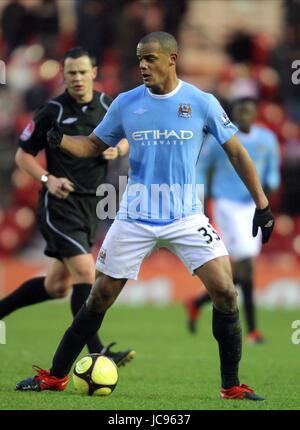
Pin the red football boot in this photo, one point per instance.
(255, 336)
(239, 392)
(43, 381)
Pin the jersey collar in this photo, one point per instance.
(166, 96)
(93, 104)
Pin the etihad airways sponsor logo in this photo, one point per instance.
(161, 137)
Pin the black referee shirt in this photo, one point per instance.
(74, 119)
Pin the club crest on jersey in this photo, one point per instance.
(225, 120)
(28, 130)
(185, 110)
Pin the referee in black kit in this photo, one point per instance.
(66, 213)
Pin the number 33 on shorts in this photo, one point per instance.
(209, 233)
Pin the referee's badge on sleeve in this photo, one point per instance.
(28, 130)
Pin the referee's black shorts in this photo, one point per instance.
(68, 225)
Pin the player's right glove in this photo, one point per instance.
(264, 219)
(54, 135)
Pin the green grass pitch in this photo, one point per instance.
(172, 369)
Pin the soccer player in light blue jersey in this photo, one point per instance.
(234, 206)
(164, 121)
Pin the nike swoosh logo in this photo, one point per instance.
(269, 223)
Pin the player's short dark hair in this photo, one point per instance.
(78, 52)
(166, 41)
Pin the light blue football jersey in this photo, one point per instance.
(165, 134)
(263, 149)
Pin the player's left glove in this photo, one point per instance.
(54, 135)
(264, 219)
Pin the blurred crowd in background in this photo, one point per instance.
(227, 47)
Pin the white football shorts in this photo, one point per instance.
(234, 222)
(126, 244)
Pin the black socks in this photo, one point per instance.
(31, 292)
(227, 331)
(79, 295)
(248, 302)
(85, 324)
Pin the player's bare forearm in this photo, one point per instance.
(83, 146)
(245, 168)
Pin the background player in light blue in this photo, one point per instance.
(233, 205)
(164, 121)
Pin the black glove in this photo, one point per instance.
(264, 219)
(54, 135)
